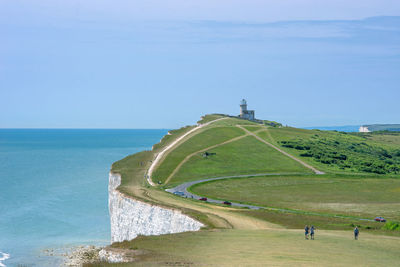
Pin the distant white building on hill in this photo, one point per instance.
(364, 129)
(244, 113)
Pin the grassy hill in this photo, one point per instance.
(233, 151)
(339, 152)
(267, 247)
(208, 137)
(350, 196)
(383, 127)
(245, 156)
(361, 181)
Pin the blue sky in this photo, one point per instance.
(163, 64)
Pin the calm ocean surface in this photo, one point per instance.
(53, 188)
(348, 128)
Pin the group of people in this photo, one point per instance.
(310, 231)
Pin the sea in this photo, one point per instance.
(347, 128)
(53, 189)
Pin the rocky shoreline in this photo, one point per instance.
(129, 218)
(75, 256)
(79, 255)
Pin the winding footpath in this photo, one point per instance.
(170, 146)
(183, 189)
(283, 152)
(200, 151)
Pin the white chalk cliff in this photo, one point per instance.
(130, 217)
(364, 129)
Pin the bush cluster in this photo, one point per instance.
(272, 123)
(345, 152)
(394, 226)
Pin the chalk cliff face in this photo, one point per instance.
(130, 217)
(363, 129)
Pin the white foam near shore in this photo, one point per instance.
(3, 257)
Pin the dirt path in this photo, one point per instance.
(269, 135)
(283, 152)
(225, 216)
(200, 151)
(182, 189)
(170, 146)
(203, 150)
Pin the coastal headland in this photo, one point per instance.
(294, 177)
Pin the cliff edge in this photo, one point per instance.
(130, 218)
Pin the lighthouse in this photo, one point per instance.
(244, 113)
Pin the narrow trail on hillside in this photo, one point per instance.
(269, 135)
(172, 145)
(218, 213)
(186, 193)
(203, 150)
(200, 151)
(316, 171)
(184, 189)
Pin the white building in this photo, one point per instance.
(244, 113)
(364, 129)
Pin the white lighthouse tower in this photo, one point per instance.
(243, 107)
(244, 113)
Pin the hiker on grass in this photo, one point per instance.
(312, 232)
(306, 232)
(356, 231)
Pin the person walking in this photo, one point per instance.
(356, 232)
(306, 229)
(312, 229)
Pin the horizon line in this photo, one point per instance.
(66, 128)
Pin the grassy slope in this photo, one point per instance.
(391, 139)
(255, 128)
(362, 151)
(208, 137)
(210, 117)
(264, 248)
(276, 135)
(364, 197)
(171, 136)
(133, 167)
(226, 247)
(244, 156)
(235, 121)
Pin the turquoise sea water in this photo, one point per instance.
(348, 128)
(53, 188)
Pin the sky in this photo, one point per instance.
(163, 64)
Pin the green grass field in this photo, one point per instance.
(244, 156)
(377, 153)
(391, 139)
(202, 140)
(275, 247)
(267, 237)
(254, 128)
(210, 117)
(235, 121)
(132, 168)
(353, 196)
(173, 134)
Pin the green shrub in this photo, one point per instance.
(394, 226)
(341, 151)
